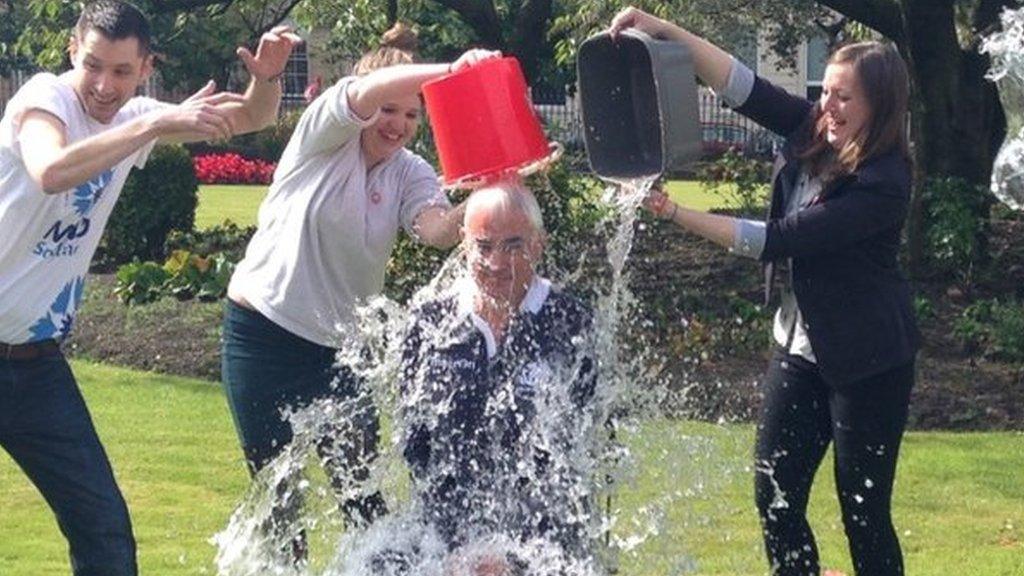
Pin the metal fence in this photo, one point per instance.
(721, 128)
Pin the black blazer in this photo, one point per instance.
(846, 276)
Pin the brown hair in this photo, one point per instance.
(397, 46)
(884, 82)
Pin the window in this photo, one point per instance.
(296, 75)
(817, 58)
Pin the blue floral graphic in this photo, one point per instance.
(89, 193)
(58, 319)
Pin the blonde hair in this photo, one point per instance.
(397, 46)
(885, 83)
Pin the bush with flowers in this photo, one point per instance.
(231, 168)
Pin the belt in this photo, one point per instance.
(29, 350)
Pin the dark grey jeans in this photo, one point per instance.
(46, 428)
(265, 369)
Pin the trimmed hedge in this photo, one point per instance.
(155, 200)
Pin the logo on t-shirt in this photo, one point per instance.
(60, 239)
(56, 323)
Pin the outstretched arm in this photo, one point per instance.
(56, 166)
(368, 93)
(719, 229)
(712, 64)
(440, 227)
(257, 108)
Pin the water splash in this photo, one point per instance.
(591, 457)
(1007, 51)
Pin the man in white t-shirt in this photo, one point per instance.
(67, 144)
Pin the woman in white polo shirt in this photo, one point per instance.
(343, 186)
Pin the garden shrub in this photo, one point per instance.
(184, 275)
(140, 282)
(156, 200)
(954, 227)
(994, 328)
(228, 238)
(194, 276)
(742, 182)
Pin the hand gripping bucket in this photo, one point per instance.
(638, 98)
(484, 124)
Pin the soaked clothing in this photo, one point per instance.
(492, 433)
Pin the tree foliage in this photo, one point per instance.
(195, 40)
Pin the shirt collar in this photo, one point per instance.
(465, 289)
(533, 300)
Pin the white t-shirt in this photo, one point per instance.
(327, 226)
(47, 240)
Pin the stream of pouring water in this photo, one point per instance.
(596, 472)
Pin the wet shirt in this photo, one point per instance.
(48, 240)
(328, 224)
(490, 431)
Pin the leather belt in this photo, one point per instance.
(29, 350)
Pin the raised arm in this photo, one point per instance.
(711, 63)
(257, 108)
(367, 94)
(440, 227)
(755, 98)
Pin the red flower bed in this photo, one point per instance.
(232, 169)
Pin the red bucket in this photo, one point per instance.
(483, 122)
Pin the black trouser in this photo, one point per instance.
(864, 420)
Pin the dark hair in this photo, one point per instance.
(397, 46)
(882, 75)
(115, 20)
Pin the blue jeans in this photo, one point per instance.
(265, 369)
(46, 428)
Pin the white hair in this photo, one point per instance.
(506, 196)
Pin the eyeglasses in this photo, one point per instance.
(487, 247)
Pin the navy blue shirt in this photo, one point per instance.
(489, 433)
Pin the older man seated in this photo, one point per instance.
(496, 378)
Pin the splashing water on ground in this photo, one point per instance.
(569, 467)
(1007, 51)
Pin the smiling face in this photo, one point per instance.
(107, 72)
(843, 104)
(394, 128)
(503, 248)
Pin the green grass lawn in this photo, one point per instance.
(240, 204)
(691, 194)
(219, 202)
(959, 503)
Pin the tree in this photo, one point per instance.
(517, 27)
(958, 121)
(12, 18)
(195, 40)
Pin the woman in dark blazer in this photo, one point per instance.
(844, 365)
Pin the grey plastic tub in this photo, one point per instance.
(639, 103)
